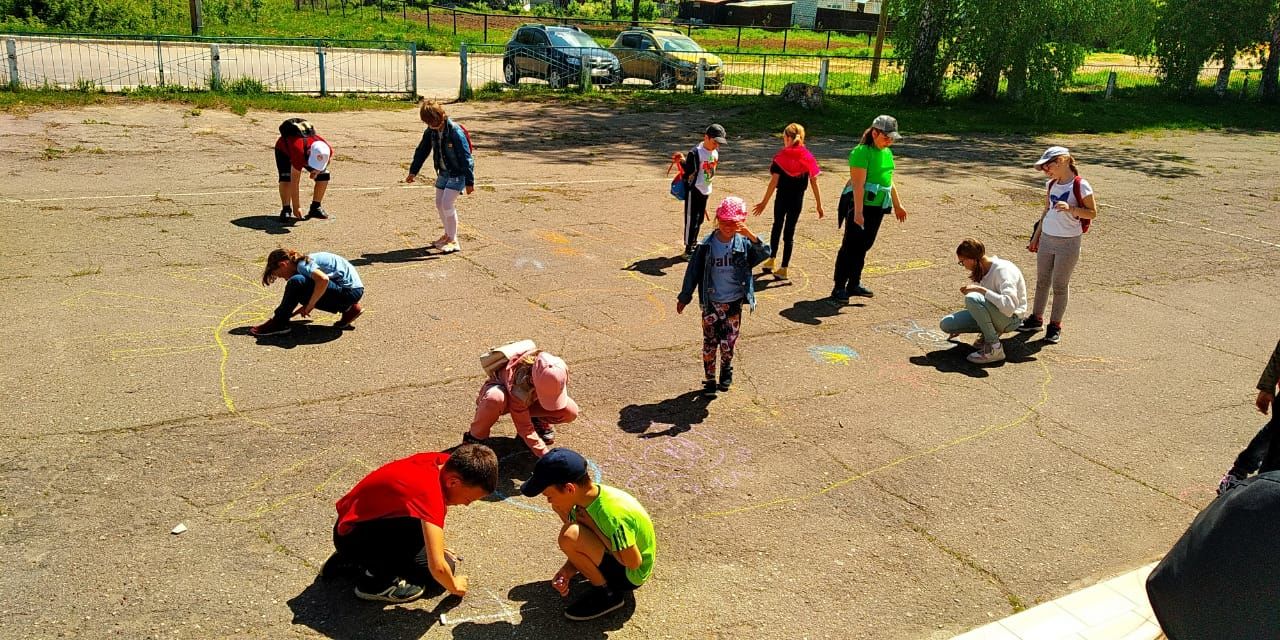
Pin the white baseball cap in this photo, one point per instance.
(318, 159)
(1051, 153)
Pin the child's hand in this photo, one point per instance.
(471, 189)
(677, 157)
(561, 581)
(680, 307)
(821, 213)
(758, 209)
(1264, 400)
(460, 586)
(411, 178)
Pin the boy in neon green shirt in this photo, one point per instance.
(607, 536)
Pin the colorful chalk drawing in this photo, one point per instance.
(833, 354)
(695, 462)
(911, 331)
(524, 503)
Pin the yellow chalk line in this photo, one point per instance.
(1044, 397)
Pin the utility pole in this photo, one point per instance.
(197, 18)
(880, 29)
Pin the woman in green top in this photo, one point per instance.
(871, 180)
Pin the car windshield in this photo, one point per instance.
(572, 39)
(679, 43)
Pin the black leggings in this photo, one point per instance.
(388, 548)
(857, 242)
(786, 213)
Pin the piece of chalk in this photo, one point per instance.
(178, 530)
(444, 619)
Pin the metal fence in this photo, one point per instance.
(117, 63)
(495, 67)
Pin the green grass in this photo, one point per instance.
(30, 100)
(1138, 109)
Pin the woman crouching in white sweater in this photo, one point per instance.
(994, 304)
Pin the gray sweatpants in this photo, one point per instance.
(1055, 260)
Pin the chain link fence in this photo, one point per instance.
(120, 63)
(501, 68)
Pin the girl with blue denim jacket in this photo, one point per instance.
(447, 143)
(720, 270)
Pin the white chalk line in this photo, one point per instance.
(426, 185)
(1156, 217)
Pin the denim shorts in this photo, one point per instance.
(446, 181)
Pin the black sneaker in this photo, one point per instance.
(726, 378)
(862, 292)
(597, 602)
(709, 385)
(318, 213)
(395, 591)
(286, 214)
(1032, 323)
(338, 566)
(839, 294)
(467, 438)
(545, 431)
(1053, 334)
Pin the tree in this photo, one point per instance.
(1271, 70)
(1190, 33)
(920, 41)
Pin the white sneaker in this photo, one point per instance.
(992, 352)
(450, 247)
(440, 242)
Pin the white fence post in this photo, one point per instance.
(1111, 84)
(464, 89)
(215, 68)
(824, 70)
(324, 89)
(700, 84)
(412, 69)
(160, 60)
(12, 46)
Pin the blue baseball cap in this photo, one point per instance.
(557, 467)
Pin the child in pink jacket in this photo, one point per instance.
(533, 386)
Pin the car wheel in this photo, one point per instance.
(510, 73)
(555, 78)
(666, 79)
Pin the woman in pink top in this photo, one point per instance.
(534, 388)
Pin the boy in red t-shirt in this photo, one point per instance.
(390, 528)
(299, 148)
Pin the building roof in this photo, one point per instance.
(763, 3)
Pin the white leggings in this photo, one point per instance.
(445, 200)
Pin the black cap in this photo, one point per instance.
(557, 467)
(716, 132)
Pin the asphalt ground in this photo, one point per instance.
(861, 480)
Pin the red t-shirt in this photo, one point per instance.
(296, 148)
(409, 487)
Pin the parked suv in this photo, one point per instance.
(665, 58)
(557, 54)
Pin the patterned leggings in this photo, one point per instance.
(721, 322)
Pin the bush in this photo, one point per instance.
(247, 87)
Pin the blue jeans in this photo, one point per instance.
(446, 181)
(979, 316)
(297, 291)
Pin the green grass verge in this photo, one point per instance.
(1132, 110)
(30, 100)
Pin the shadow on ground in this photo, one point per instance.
(654, 266)
(1018, 348)
(813, 311)
(270, 224)
(420, 254)
(329, 607)
(681, 412)
(303, 333)
(541, 615)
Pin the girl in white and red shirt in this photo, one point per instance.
(1069, 209)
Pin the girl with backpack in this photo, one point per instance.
(1069, 210)
(794, 169)
(450, 145)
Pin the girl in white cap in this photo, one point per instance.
(1069, 209)
(720, 270)
(533, 386)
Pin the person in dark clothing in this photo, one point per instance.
(1259, 456)
(793, 170)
